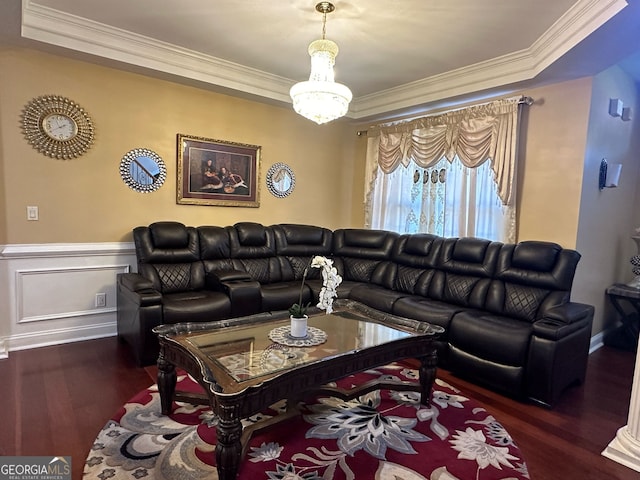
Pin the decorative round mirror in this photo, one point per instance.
(280, 180)
(143, 170)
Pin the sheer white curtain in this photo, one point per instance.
(451, 174)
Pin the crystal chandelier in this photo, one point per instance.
(321, 99)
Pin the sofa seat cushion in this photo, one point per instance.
(432, 311)
(195, 306)
(282, 295)
(343, 291)
(494, 338)
(375, 296)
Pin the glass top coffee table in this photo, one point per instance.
(243, 371)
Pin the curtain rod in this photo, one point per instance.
(523, 100)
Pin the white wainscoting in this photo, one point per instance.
(48, 293)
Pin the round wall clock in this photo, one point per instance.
(57, 127)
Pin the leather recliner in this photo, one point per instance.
(169, 287)
(506, 309)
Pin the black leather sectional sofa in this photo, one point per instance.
(509, 322)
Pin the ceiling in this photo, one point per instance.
(395, 55)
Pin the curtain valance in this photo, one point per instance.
(474, 134)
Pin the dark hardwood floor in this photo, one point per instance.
(55, 400)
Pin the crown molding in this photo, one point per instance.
(80, 34)
(58, 28)
(582, 19)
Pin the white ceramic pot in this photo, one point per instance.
(299, 326)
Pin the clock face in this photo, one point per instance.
(59, 127)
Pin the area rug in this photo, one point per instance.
(382, 435)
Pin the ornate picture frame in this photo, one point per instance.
(217, 172)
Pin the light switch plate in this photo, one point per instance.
(32, 213)
(615, 107)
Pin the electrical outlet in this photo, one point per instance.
(101, 300)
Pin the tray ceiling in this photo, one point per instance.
(394, 54)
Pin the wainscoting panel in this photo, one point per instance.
(51, 292)
(48, 294)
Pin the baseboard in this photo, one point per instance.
(24, 341)
(597, 341)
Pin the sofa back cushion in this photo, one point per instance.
(296, 245)
(168, 255)
(215, 249)
(465, 268)
(415, 257)
(363, 255)
(253, 250)
(530, 278)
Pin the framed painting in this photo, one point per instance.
(217, 172)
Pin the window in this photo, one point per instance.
(451, 175)
(448, 199)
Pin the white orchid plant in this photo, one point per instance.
(330, 282)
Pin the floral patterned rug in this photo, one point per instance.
(381, 435)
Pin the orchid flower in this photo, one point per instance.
(330, 282)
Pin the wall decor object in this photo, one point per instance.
(57, 127)
(609, 175)
(217, 172)
(143, 170)
(280, 180)
(615, 107)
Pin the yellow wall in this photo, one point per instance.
(554, 136)
(85, 200)
(3, 203)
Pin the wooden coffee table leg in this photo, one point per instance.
(428, 365)
(228, 445)
(166, 383)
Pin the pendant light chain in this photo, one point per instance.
(324, 8)
(324, 25)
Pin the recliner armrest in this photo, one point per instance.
(135, 285)
(242, 290)
(217, 279)
(562, 320)
(134, 282)
(570, 312)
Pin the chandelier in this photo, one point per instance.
(320, 98)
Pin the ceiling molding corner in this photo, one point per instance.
(64, 30)
(58, 28)
(578, 23)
